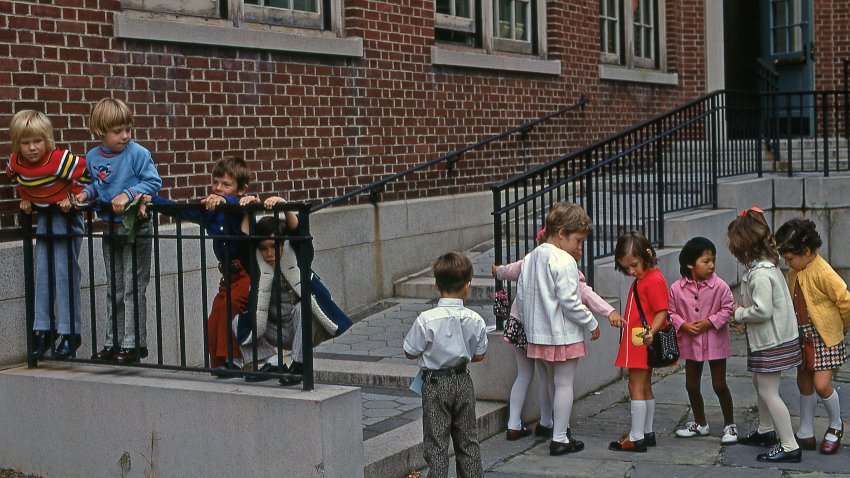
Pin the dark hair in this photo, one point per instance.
(797, 235)
(452, 272)
(634, 243)
(268, 226)
(691, 252)
(749, 239)
(234, 166)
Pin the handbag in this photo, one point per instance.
(514, 329)
(664, 350)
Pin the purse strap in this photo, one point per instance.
(637, 302)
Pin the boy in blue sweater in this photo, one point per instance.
(122, 171)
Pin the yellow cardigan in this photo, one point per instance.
(826, 298)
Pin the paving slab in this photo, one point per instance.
(656, 470)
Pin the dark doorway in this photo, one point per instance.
(742, 47)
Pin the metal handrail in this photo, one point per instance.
(375, 187)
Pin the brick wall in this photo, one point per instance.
(316, 127)
(832, 42)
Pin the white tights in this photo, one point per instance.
(562, 375)
(773, 414)
(524, 374)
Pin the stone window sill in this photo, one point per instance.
(619, 73)
(466, 59)
(134, 27)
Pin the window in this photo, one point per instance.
(786, 27)
(514, 26)
(297, 13)
(632, 33)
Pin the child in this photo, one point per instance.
(122, 171)
(772, 338)
(822, 304)
(700, 307)
(45, 175)
(276, 306)
(525, 365)
(444, 340)
(554, 317)
(230, 178)
(634, 256)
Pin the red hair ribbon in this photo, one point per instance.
(540, 234)
(753, 209)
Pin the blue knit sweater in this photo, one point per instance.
(131, 171)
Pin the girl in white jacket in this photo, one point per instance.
(555, 320)
(772, 339)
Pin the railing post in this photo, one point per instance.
(497, 243)
(589, 209)
(712, 121)
(305, 261)
(29, 286)
(846, 98)
(825, 133)
(660, 185)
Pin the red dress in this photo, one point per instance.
(652, 290)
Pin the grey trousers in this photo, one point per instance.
(127, 287)
(290, 331)
(66, 293)
(448, 409)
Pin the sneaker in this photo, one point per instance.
(730, 435)
(692, 429)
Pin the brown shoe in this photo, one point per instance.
(806, 443)
(542, 431)
(512, 435)
(626, 444)
(106, 353)
(829, 447)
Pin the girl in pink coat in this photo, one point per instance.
(700, 306)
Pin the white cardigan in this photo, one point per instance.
(766, 307)
(548, 298)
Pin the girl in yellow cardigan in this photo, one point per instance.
(822, 304)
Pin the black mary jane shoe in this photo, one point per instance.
(225, 370)
(42, 341)
(68, 345)
(759, 439)
(557, 448)
(295, 375)
(778, 455)
(259, 375)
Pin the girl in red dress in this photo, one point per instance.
(635, 257)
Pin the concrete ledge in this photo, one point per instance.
(365, 374)
(86, 418)
(486, 61)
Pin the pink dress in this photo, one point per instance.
(692, 301)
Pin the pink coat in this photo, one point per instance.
(591, 299)
(694, 301)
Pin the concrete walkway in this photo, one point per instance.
(604, 416)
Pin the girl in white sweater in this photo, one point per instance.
(772, 340)
(555, 319)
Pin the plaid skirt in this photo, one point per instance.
(816, 355)
(775, 359)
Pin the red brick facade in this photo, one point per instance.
(314, 127)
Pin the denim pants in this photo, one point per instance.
(126, 285)
(65, 297)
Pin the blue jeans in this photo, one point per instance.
(127, 288)
(66, 290)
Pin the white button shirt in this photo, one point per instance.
(446, 336)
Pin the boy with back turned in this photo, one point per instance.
(444, 340)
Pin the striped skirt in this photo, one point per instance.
(775, 359)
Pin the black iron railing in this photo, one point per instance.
(375, 188)
(181, 283)
(768, 81)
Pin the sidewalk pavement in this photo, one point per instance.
(603, 416)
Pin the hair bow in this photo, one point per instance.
(540, 234)
(753, 209)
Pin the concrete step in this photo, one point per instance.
(399, 451)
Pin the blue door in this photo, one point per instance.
(786, 43)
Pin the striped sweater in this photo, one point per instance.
(49, 181)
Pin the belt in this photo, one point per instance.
(445, 372)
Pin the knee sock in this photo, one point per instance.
(768, 388)
(650, 416)
(524, 374)
(807, 415)
(545, 394)
(563, 376)
(638, 420)
(833, 408)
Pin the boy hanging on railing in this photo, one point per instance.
(230, 178)
(123, 172)
(46, 175)
(276, 305)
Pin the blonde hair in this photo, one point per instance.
(107, 114)
(749, 238)
(30, 123)
(567, 217)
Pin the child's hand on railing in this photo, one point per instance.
(270, 202)
(210, 202)
(118, 203)
(246, 200)
(26, 206)
(495, 268)
(80, 200)
(65, 205)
